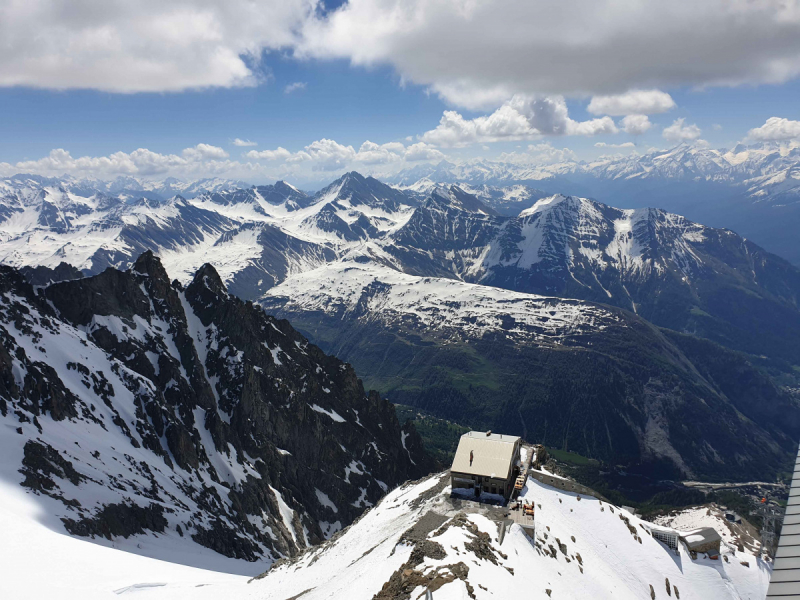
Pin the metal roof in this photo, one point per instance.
(493, 454)
(785, 581)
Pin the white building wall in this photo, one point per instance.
(785, 581)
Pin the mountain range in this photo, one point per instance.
(751, 189)
(593, 328)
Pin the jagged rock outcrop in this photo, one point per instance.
(140, 407)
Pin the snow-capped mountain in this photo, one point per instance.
(125, 187)
(686, 161)
(596, 379)
(670, 270)
(674, 272)
(753, 190)
(419, 539)
(47, 226)
(255, 237)
(182, 420)
(362, 288)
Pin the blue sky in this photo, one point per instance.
(364, 77)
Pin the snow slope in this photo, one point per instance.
(365, 289)
(39, 562)
(613, 563)
(416, 537)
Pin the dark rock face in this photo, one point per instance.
(42, 463)
(278, 251)
(41, 276)
(119, 520)
(367, 191)
(200, 413)
(444, 234)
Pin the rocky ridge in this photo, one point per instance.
(134, 407)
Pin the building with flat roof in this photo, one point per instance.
(702, 539)
(486, 463)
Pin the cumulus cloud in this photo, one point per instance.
(371, 153)
(325, 155)
(678, 132)
(520, 118)
(144, 46)
(243, 143)
(422, 151)
(548, 154)
(294, 87)
(455, 131)
(635, 124)
(591, 127)
(776, 129)
(474, 54)
(330, 155)
(313, 163)
(205, 151)
(202, 160)
(634, 102)
(478, 54)
(279, 153)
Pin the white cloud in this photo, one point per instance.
(143, 46)
(474, 54)
(371, 153)
(243, 143)
(547, 154)
(591, 127)
(279, 153)
(635, 124)
(468, 95)
(422, 151)
(678, 132)
(330, 155)
(478, 54)
(622, 145)
(776, 129)
(520, 118)
(325, 155)
(205, 151)
(294, 87)
(634, 102)
(202, 160)
(313, 164)
(454, 130)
